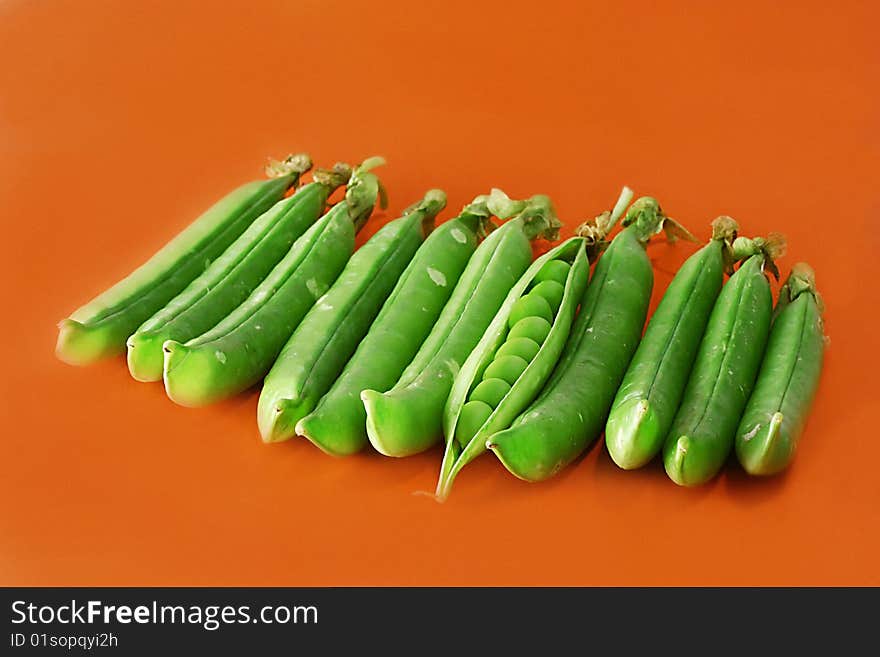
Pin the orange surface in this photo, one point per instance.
(120, 122)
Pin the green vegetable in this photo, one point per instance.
(525, 348)
(654, 383)
(570, 411)
(472, 416)
(535, 329)
(530, 305)
(552, 292)
(408, 418)
(777, 410)
(724, 371)
(493, 390)
(508, 368)
(525, 377)
(321, 345)
(237, 352)
(228, 281)
(338, 423)
(100, 328)
(555, 271)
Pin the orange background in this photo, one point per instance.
(122, 121)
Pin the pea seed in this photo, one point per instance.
(568, 415)
(534, 328)
(473, 415)
(554, 270)
(508, 368)
(408, 418)
(531, 305)
(552, 292)
(491, 391)
(525, 348)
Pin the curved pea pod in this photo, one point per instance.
(101, 327)
(338, 424)
(654, 383)
(569, 413)
(321, 345)
(229, 280)
(777, 410)
(240, 350)
(522, 389)
(408, 418)
(702, 432)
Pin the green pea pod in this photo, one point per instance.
(321, 345)
(229, 280)
(654, 383)
(101, 327)
(777, 410)
(338, 423)
(569, 413)
(238, 352)
(727, 362)
(519, 392)
(408, 418)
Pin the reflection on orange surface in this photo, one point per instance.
(119, 126)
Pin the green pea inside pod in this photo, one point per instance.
(473, 415)
(507, 368)
(530, 305)
(525, 348)
(537, 337)
(552, 270)
(490, 391)
(552, 292)
(533, 328)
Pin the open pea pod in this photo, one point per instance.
(516, 355)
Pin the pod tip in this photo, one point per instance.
(336, 176)
(173, 353)
(144, 357)
(805, 272)
(292, 164)
(675, 461)
(371, 163)
(632, 434)
(724, 228)
(436, 196)
(80, 344)
(760, 451)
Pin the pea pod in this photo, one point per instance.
(652, 387)
(237, 352)
(408, 418)
(569, 413)
(229, 280)
(481, 389)
(100, 328)
(724, 371)
(777, 410)
(337, 425)
(328, 335)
